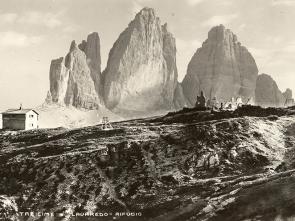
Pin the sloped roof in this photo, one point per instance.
(18, 111)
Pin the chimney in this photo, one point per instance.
(20, 106)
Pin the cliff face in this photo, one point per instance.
(221, 68)
(91, 48)
(269, 95)
(180, 100)
(141, 73)
(75, 79)
(58, 76)
(81, 88)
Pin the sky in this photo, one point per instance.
(33, 32)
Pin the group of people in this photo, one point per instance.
(214, 103)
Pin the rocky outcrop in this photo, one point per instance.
(288, 97)
(141, 73)
(222, 68)
(75, 79)
(288, 94)
(267, 92)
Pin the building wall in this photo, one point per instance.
(13, 121)
(32, 120)
(26, 121)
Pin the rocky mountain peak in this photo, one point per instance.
(165, 27)
(73, 46)
(92, 51)
(222, 68)
(75, 79)
(146, 13)
(141, 73)
(288, 93)
(91, 48)
(289, 100)
(267, 92)
(220, 33)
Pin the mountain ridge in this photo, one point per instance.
(141, 75)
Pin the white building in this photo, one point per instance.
(20, 119)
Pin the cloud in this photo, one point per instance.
(144, 1)
(194, 2)
(289, 47)
(37, 18)
(70, 29)
(225, 2)
(15, 39)
(215, 2)
(185, 45)
(219, 19)
(8, 17)
(274, 39)
(260, 52)
(283, 2)
(49, 20)
(185, 51)
(242, 27)
(271, 58)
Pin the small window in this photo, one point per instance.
(31, 116)
(32, 125)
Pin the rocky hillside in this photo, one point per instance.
(239, 166)
(222, 68)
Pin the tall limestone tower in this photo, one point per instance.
(141, 73)
(221, 68)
